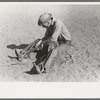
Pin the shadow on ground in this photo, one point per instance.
(32, 71)
(13, 46)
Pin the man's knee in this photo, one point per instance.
(51, 47)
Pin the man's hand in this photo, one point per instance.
(39, 45)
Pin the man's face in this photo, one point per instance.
(46, 24)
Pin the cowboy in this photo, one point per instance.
(56, 34)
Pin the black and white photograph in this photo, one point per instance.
(42, 42)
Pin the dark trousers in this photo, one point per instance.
(50, 54)
(53, 54)
(45, 52)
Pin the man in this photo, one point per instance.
(49, 46)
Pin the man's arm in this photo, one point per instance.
(56, 33)
(45, 36)
(40, 43)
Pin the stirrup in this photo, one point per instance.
(19, 56)
(39, 68)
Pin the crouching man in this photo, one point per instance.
(49, 47)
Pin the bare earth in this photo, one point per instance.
(18, 27)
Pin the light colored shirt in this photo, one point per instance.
(57, 29)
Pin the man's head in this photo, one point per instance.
(45, 20)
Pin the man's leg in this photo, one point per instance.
(30, 46)
(23, 53)
(55, 59)
(40, 59)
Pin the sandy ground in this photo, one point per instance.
(18, 27)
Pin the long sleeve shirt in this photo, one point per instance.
(57, 29)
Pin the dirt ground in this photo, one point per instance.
(18, 27)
